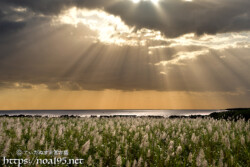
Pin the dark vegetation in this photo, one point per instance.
(232, 114)
(229, 114)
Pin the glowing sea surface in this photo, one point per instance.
(165, 113)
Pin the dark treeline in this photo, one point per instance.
(232, 114)
(228, 114)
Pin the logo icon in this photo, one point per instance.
(19, 152)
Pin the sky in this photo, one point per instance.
(124, 54)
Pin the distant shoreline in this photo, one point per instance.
(105, 113)
(232, 113)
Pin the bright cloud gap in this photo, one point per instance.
(153, 1)
(110, 29)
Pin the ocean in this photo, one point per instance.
(83, 113)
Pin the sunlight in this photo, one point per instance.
(110, 29)
(181, 56)
(153, 1)
(136, 1)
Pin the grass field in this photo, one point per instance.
(129, 141)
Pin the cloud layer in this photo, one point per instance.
(35, 51)
(62, 57)
(171, 17)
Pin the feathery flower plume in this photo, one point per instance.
(200, 158)
(119, 161)
(242, 140)
(6, 148)
(134, 163)
(216, 136)
(128, 164)
(85, 147)
(90, 161)
(139, 162)
(190, 157)
(221, 158)
(179, 150)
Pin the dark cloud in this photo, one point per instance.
(51, 7)
(176, 17)
(7, 27)
(172, 17)
(41, 6)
